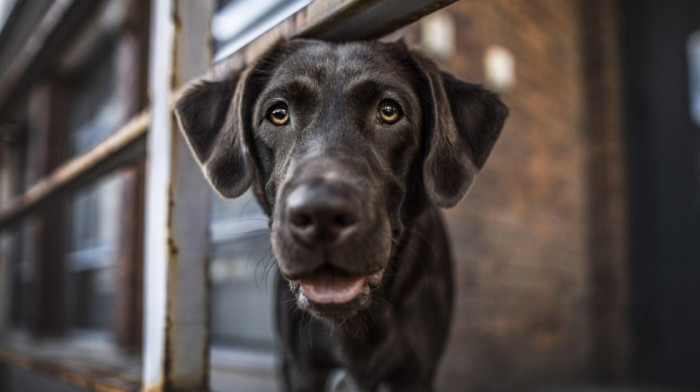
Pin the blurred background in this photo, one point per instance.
(577, 250)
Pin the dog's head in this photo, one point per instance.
(343, 144)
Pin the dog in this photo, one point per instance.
(350, 148)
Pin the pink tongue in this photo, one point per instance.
(325, 289)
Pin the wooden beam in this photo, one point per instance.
(176, 327)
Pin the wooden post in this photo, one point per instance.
(176, 318)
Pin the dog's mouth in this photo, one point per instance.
(334, 294)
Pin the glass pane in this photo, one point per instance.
(241, 300)
(242, 209)
(90, 295)
(21, 253)
(94, 225)
(242, 272)
(238, 22)
(94, 111)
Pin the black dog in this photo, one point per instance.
(349, 147)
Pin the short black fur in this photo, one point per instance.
(351, 198)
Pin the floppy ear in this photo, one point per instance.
(211, 118)
(462, 122)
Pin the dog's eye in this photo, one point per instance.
(389, 112)
(279, 115)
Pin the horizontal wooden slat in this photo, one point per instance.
(125, 145)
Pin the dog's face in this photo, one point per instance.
(343, 144)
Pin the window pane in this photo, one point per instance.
(95, 111)
(238, 22)
(21, 253)
(94, 224)
(241, 292)
(242, 273)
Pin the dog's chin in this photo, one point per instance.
(335, 296)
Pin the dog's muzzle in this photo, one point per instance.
(331, 245)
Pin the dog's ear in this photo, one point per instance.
(462, 122)
(211, 116)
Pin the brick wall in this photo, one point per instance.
(533, 305)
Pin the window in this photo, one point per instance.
(74, 251)
(86, 209)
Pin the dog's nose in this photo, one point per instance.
(321, 214)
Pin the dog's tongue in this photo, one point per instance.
(327, 288)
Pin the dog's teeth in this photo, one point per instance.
(376, 277)
(303, 300)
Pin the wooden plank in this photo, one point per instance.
(128, 312)
(159, 148)
(122, 146)
(176, 328)
(46, 149)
